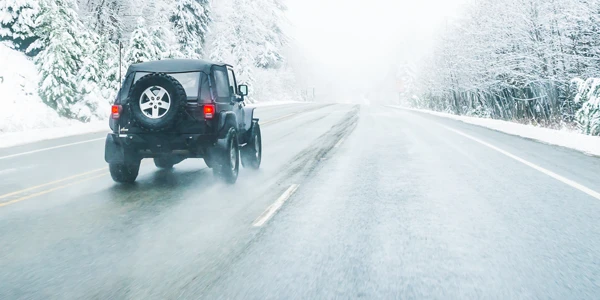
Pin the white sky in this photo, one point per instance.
(346, 36)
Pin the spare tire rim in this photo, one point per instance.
(155, 102)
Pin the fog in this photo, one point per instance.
(349, 50)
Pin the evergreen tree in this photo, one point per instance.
(273, 38)
(191, 20)
(105, 16)
(17, 19)
(91, 76)
(61, 58)
(109, 84)
(141, 47)
(165, 43)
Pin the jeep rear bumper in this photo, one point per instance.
(122, 148)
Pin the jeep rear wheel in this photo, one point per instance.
(155, 102)
(124, 173)
(228, 166)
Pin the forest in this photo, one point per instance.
(76, 44)
(530, 61)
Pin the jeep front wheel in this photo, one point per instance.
(124, 173)
(229, 163)
(252, 152)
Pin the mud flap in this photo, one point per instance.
(113, 150)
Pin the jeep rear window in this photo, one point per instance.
(189, 81)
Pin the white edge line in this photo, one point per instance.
(562, 179)
(51, 148)
(273, 208)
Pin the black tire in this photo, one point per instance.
(228, 166)
(165, 118)
(252, 152)
(124, 173)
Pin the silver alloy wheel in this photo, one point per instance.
(155, 102)
(232, 156)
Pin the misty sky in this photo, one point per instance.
(357, 38)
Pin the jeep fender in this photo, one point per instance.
(116, 153)
(227, 119)
(248, 117)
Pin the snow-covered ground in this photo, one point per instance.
(585, 143)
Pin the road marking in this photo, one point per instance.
(339, 143)
(280, 118)
(50, 148)
(562, 179)
(51, 190)
(273, 208)
(51, 183)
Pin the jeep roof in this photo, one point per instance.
(174, 66)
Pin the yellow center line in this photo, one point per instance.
(280, 118)
(51, 190)
(51, 183)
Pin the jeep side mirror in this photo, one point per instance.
(243, 89)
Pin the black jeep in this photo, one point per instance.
(170, 110)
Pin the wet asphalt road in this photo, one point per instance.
(390, 204)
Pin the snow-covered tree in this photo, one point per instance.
(109, 84)
(17, 23)
(92, 77)
(165, 43)
(105, 16)
(248, 34)
(141, 47)
(191, 19)
(61, 58)
(273, 37)
(485, 67)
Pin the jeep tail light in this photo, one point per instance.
(209, 111)
(115, 112)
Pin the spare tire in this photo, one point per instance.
(155, 102)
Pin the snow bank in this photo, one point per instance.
(20, 106)
(585, 143)
(24, 118)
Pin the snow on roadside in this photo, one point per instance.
(585, 143)
(24, 118)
